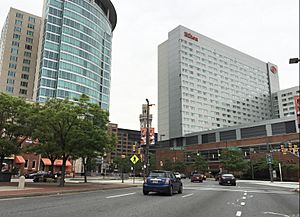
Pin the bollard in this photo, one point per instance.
(21, 182)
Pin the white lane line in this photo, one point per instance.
(245, 193)
(274, 213)
(120, 195)
(243, 203)
(15, 198)
(244, 198)
(188, 195)
(238, 213)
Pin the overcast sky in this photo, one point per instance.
(265, 29)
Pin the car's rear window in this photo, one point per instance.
(157, 174)
(227, 176)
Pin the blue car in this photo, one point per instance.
(162, 182)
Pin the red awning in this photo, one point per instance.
(59, 163)
(46, 161)
(19, 159)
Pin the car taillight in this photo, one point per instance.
(167, 181)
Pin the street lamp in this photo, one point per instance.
(147, 138)
(294, 60)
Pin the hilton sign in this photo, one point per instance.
(189, 35)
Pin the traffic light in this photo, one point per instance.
(290, 147)
(295, 149)
(139, 151)
(282, 148)
(133, 148)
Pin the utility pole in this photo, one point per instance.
(147, 139)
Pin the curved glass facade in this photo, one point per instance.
(76, 50)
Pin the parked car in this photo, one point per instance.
(197, 178)
(163, 182)
(183, 176)
(227, 179)
(35, 174)
(177, 175)
(45, 176)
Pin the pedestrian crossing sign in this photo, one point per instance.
(134, 159)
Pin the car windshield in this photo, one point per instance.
(157, 174)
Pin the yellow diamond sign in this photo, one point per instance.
(134, 159)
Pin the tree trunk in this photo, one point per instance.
(1, 162)
(52, 166)
(63, 169)
(84, 168)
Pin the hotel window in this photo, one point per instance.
(16, 36)
(26, 61)
(15, 43)
(11, 74)
(25, 76)
(12, 66)
(28, 47)
(18, 22)
(29, 32)
(23, 92)
(29, 40)
(17, 29)
(30, 26)
(19, 15)
(27, 54)
(9, 89)
(25, 69)
(13, 58)
(14, 50)
(31, 19)
(10, 81)
(24, 84)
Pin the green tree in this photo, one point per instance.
(92, 138)
(168, 165)
(57, 121)
(233, 160)
(15, 124)
(123, 164)
(179, 166)
(200, 164)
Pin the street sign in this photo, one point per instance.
(134, 159)
(269, 159)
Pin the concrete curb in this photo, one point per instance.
(61, 192)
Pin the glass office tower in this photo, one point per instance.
(75, 53)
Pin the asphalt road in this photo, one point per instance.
(206, 199)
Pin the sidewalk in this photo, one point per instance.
(10, 189)
(290, 185)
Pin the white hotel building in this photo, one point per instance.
(284, 102)
(204, 85)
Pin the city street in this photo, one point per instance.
(207, 199)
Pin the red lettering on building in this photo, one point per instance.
(189, 35)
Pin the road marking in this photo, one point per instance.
(243, 203)
(244, 198)
(274, 213)
(245, 193)
(15, 198)
(187, 195)
(238, 190)
(238, 213)
(120, 195)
